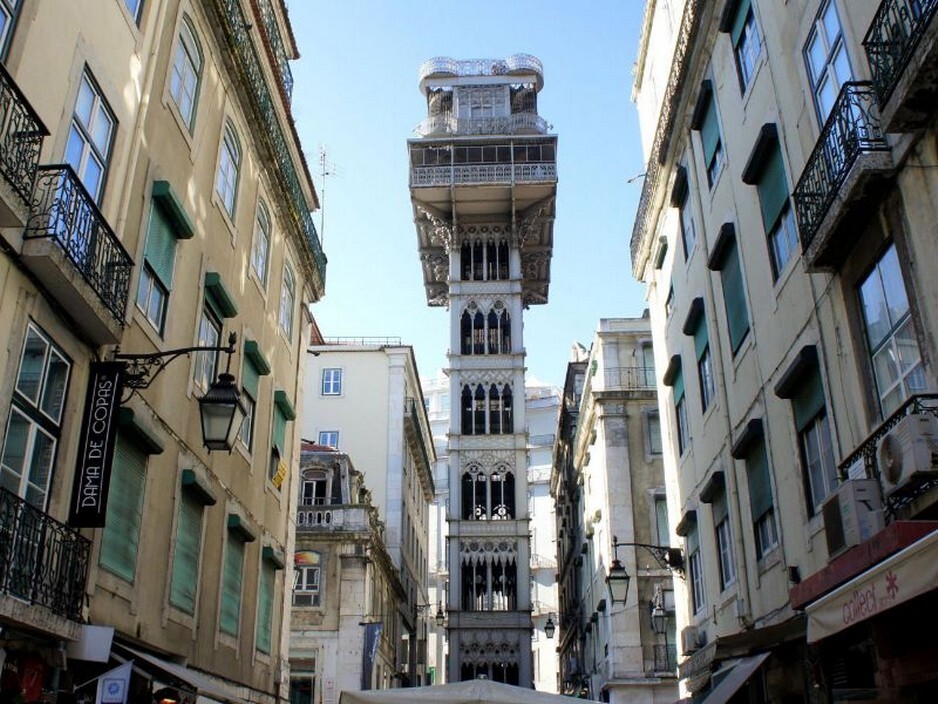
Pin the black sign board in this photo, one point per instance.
(96, 446)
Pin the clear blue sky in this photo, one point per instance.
(356, 94)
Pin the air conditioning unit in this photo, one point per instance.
(852, 514)
(909, 452)
(690, 640)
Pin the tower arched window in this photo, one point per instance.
(506, 414)
(502, 493)
(495, 410)
(478, 333)
(484, 260)
(475, 502)
(478, 410)
(489, 585)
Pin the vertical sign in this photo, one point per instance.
(372, 636)
(96, 446)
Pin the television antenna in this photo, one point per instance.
(326, 168)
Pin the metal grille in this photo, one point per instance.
(21, 135)
(892, 39)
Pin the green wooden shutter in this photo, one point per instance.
(185, 579)
(760, 486)
(719, 507)
(161, 246)
(265, 608)
(250, 378)
(121, 533)
(710, 131)
(280, 430)
(734, 298)
(739, 23)
(231, 585)
(808, 399)
(678, 385)
(773, 189)
(700, 336)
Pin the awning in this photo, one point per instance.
(900, 577)
(203, 684)
(738, 676)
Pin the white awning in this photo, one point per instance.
(907, 574)
(737, 677)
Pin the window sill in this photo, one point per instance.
(769, 560)
(178, 616)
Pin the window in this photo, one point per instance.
(688, 228)
(661, 520)
(134, 7)
(229, 166)
(232, 577)
(8, 9)
(825, 56)
(314, 491)
(329, 438)
(734, 292)
(332, 382)
(705, 120)
(767, 174)
(254, 367)
(488, 496)
(33, 427)
(761, 504)
(188, 547)
(704, 362)
(302, 687)
(680, 412)
(654, 433)
(307, 578)
(88, 148)
(186, 72)
(121, 534)
(747, 45)
(487, 410)
(484, 260)
(488, 584)
(206, 363)
(486, 334)
(669, 302)
(246, 434)
(265, 607)
(287, 300)
(260, 249)
(814, 438)
(724, 541)
(894, 352)
(698, 594)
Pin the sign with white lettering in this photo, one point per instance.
(96, 446)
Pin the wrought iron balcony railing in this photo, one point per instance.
(852, 129)
(277, 49)
(524, 122)
(663, 658)
(63, 211)
(236, 28)
(481, 174)
(629, 378)
(21, 135)
(893, 38)
(42, 561)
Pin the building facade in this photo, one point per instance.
(154, 198)
(365, 400)
(483, 181)
(608, 484)
(785, 234)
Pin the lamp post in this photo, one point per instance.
(440, 614)
(221, 410)
(550, 627)
(618, 578)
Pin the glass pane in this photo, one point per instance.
(84, 104)
(33, 362)
(842, 66)
(910, 358)
(816, 57)
(14, 450)
(831, 23)
(875, 314)
(896, 299)
(53, 395)
(75, 148)
(40, 469)
(101, 132)
(826, 95)
(92, 176)
(885, 368)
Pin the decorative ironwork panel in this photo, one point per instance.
(481, 174)
(480, 67)
(513, 124)
(853, 128)
(21, 135)
(277, 49)
(42, 561)
(893, 38)
(62, 210)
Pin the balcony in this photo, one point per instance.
(836, 191)
(21, 135)
(900, 48)
(237, 36)
(332, 517)
(72, 250)
(520, 123)
(482, 175)
(660, 658)
(42, 562)
(628, 379)
(276, 48)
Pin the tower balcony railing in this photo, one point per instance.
(852, 131)
(65, 213)
(894, 38)
(483, 174)
(236, 29)
(480, 67)
(277, 49)
(628, 378)
(42, 561)
(21, 135)
(519, 123)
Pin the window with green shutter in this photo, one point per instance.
(185, 579)
(121, 534)
(231, 585)
(724, 258)
(705, 120)
(761, 505)
(265, 607)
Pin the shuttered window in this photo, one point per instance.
(121, 534)
(183, 587)
(160, 251)
(734, 297)
(265, 608)
(231, 584)
(773, 189)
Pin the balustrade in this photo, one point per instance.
(21, 135)
(893, 38)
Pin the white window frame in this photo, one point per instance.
(333, 379)
(817, 456)
(698, 592)
(748, 49)
(260, 247)
(307, 585)
(287, 300)
(186, 72)
(229, 168)
(329, 438)
(724, 540)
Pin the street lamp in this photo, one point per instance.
(549, 627)
(440, 614)
(659, 618)
(221, 410)
(618, 579)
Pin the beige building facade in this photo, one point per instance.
(785, 234)
(154, 198)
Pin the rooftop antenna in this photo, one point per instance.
(327, 168)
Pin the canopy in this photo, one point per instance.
(469, 692)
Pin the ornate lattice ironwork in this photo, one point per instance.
(892, 39)
(687, 35)
(865, 455)
(524, 122)
(480, 67)
(276, 47)
(62, 210)
(236, 29)
(42, 561)
(853, 128)
(21, 135)
(483, 174)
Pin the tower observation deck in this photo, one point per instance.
(483, 183)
